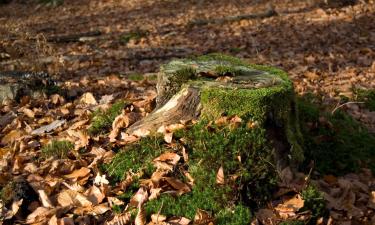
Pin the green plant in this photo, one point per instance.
(135, 77)
(366, 96)
(135, 158)
(58, 149)
(313, 201)
(101, 120)
(336, 143)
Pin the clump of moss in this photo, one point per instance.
(58, 149)
(314, 202)
(133, 35)
(209, 148)
(367, 96)
(336, 143)
(135, 158)
(102, 120)
(135, 77)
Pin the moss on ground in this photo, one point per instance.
(58, 149)
(136, 158)
(209, 148)
(314, 202)
(101, 120)
(366, 96)
(336, 143)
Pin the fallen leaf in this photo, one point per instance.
(88, 99)
(220, 179)
(82, 172)
(11, 137)
(290, 207)
(140, 219)
(181, 187)
(139, 198)
(168, 137)
(179, 221)
(95, 195)
(157, 218)
(43, 197)
(72, 198)
(121, 219)
(202, 217)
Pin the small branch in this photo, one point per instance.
(346, 103)
(73, 37)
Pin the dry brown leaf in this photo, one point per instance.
(157, 218)
(39, 215)
(76, 174)
(154, 193)
(11, 137)
(53, 221)
(140, 219)
(121, 219)
(72, 198)
(48, 128)
(139, 198)
(178, 185)
(266, 216)
(28, 112)
(202, 217)
(43, 197)
(95, 195)
(290, 207)
(88, 99)
(179, 221)
(82, 138)
(168, 137)
(169, 157)
(8, 214)
(220, 178)
(121, 121)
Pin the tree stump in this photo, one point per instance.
(212, 86)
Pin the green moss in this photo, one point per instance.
(135, 77)
(135, 158)
(133, 35)
(366, 96)
(101, 121)
(58, 149)
(336, 143)
(314, 202)
(209, 148)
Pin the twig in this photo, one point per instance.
(346, 103)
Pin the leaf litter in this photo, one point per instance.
(73, 190)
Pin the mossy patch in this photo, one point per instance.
(366, 96)
(314, 202)
(135, 77)
(135, 158)
(101, 120)
(336, 143)
(210, 147)
(58, 149)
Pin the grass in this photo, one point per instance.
(337, 143)
(101, 120)
(58, 149)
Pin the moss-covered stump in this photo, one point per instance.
(247, 127)
(212, 86)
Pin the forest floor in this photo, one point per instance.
(99, 51)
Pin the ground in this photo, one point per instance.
(327, 51)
